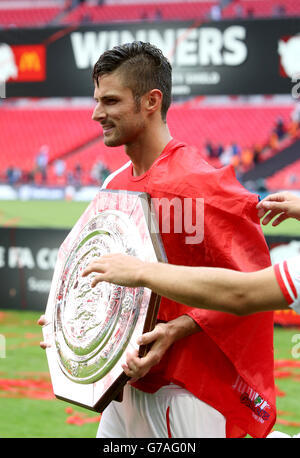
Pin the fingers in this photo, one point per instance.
(132, 367)
(274, 205)
(271, 202)
(100, 265)
(42, 321)
(279, 219)
(137, 367)
(96, 280)
(149, 337)
(276, 197)
(45, 345)
(269, 216)
(95, 266)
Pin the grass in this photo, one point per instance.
(288, 227)
(288, 405)
(37, 213)
(63, 214)
(22, 416)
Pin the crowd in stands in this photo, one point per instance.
(91, 166)
(221, 152)
(57, 174)
(244, 159)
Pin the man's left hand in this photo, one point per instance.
(161, 338)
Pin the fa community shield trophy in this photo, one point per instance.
(90, 329)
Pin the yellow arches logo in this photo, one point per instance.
(30, 61)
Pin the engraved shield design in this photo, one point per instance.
(90, 329)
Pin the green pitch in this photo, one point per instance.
(29, 410)
(28, 407)
(37, 213)
(63, 214)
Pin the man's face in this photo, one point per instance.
(117, 112)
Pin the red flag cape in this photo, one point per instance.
(229, 363)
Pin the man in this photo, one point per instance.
(213, 372)
(224, 290)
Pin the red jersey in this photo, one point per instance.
(229, 363)
(288, 276)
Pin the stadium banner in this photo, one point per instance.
(28, 256)
(224, 57)
(34, 192)
(27, 260)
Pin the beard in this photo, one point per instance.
(126, 135)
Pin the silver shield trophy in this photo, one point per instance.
(91, 329)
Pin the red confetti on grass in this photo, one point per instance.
(35, 374)
(28, 388)
(296, 377)
(283, 374)
(282, 421)
(25, 345)
(31, 335)
(284, 413)
(2, 316)
(80, 418)
(12, 221)
(278, 392)
(286, 363)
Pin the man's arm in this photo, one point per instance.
(202, 287)
(218, 289)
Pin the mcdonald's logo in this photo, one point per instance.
(31, 63)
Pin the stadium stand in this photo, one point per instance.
(85, 12)
(61, 129)
(261, 8)
(183, 11)
(139, 11)
(286, 178)
(240, 134)
(28, 17)
(71, 136)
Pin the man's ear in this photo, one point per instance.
(153, 100)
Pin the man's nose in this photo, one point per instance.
(98, 113)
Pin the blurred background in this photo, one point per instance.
(236, 96)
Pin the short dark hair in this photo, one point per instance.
(144, 67)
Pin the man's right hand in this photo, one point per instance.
(42, 321)
(283, 205)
